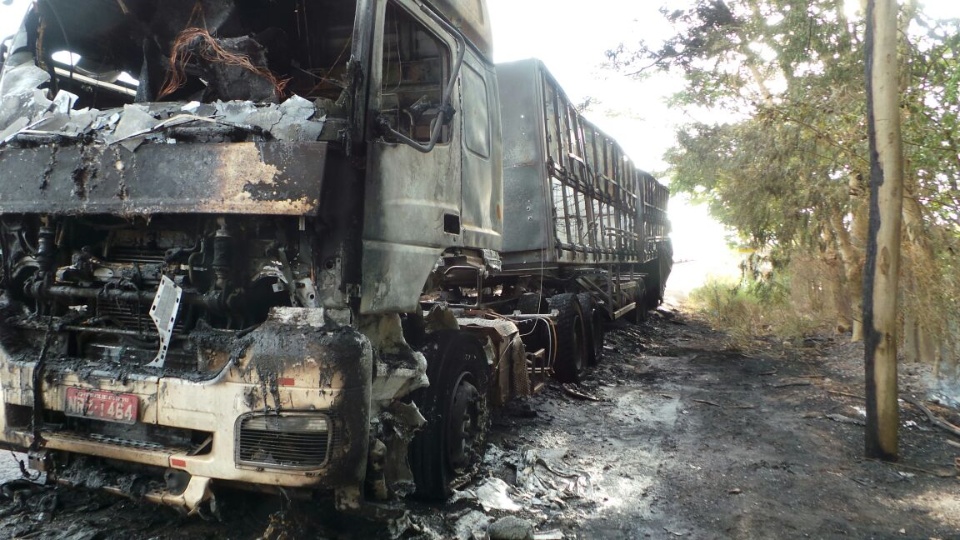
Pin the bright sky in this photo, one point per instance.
(571, 38)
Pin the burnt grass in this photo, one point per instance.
(674, 435)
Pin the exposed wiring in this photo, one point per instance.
(199, 42)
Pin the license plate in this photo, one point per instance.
(102, 405)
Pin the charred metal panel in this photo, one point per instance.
(526, 213)
(482, 186)
(393, 276)
(408, 193)
(527, 219)
(298, 362)
(504, 346)
(337, 361)
(234, 178)
(471, 18)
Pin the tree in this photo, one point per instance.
(883, 248)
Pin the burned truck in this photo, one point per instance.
(261, 244)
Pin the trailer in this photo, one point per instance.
(265, 244)
(585, 231)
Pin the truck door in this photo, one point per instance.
(482, 184)
(413, 193)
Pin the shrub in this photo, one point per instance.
(771, 307)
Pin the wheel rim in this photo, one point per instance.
(465, 424)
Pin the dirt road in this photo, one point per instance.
(674, 435)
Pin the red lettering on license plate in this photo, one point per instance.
(102, 405)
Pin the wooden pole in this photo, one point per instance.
(883, 244)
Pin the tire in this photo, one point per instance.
(656, 289)
(572, 346)
(447, 451)
(531, 303)
(595, 327)
(639, 314)
(654, 293)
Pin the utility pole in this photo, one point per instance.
(883, 246)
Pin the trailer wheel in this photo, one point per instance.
(654, 293)
(595, 327)
(531, 303)
(639, 314)
(657, 286)
(446, 452)
(572, 346)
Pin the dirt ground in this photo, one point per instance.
(674, 435)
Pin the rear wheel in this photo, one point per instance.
(595, 327)
(572, 346)
(653, 293)
(531, 303)
(447, 451)
(639, 314)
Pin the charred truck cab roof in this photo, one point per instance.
(472, 19)
(213, 213)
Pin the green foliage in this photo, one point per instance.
(774, 182)
(931, 119)
(781, 170)
(790, 75)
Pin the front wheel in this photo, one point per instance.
(446, 452)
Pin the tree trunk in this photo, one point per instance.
(841, 288)
(852, 269)
(883, 246)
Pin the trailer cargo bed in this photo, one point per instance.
(571, 195)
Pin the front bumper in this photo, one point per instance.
(292, 366)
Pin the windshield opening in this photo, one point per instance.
(110, 53)
(169, 71)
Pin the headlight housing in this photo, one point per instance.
(287, 440)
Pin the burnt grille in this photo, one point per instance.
(147, 264)
(137, 255)
(134, 316)
(127, 315)
(284, 441)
